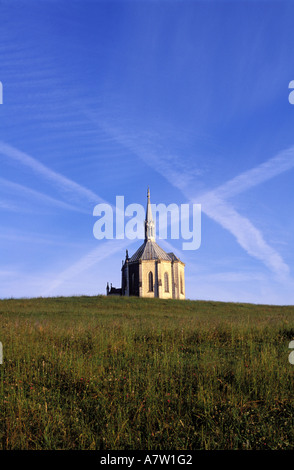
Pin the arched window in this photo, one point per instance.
(182, 285)
(133, 284)
(166, 286)
(150, 278)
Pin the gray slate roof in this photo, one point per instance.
(150, 250)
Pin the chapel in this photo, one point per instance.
(150, 271)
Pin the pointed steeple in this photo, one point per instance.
(149, 222)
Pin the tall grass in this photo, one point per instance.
(127, 373)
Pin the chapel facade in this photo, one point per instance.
(150, 271)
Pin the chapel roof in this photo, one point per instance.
(149, 250)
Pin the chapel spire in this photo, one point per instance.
(149, 222)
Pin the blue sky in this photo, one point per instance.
(103, 98)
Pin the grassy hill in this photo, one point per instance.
(126, 373)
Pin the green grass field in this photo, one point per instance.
(128, 373)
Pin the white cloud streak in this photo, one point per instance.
(246, 234)
(282, 162)
(72, 189)
(103, 251)
(40, 197)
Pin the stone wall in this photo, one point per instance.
(138, 279)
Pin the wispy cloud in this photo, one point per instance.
(8, 206)
(72, 190)
(229, 276)
(215, 205)
(103, 251)
(246, 234)
(38, 238)
(280, 163)
(16, 188)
